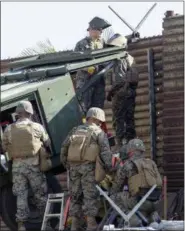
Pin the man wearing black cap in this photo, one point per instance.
(95, 96)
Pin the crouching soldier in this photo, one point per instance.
(140, 174)
(83, 153)
(23, 141)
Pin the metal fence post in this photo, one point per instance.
(152, 106)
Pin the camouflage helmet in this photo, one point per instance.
(24, 106)
(97, 113)
(98, 24)
(117, 40)
(136, 144)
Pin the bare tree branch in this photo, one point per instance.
(41, 47)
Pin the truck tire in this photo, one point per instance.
(8, 201)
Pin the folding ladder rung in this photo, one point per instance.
(52, 196)
(55, 200)
(53, 215)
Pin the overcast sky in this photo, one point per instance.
(23, 24)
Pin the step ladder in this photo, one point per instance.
(54, 198)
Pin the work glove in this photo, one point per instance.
(91, 70)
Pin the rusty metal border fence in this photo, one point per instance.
(173, 101)
(143, 51)
(160, 62)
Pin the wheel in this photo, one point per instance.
(8, 201)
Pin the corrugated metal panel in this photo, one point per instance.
(139, 52)
(5, 63)
(173, 104)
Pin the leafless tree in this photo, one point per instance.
(41, 47)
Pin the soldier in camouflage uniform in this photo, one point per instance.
(95, 96)
(123, 93)
(139, 174)
(78, 153)
(22, 140)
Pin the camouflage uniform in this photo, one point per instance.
(122, 197)
(122, 94)
(26, 173)
(123, 106)
(82, 176)
(95, 96)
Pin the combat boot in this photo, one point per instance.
(91, 224)
(75, 224)
(154, 217)
(21, 226)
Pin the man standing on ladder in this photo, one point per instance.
(95, 96)
(123, 93)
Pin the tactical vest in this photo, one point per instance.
(100, 173)
(23, 142)
(83, 147)
(44, 159)
(148, 175)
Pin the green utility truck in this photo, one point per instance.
(47, 82)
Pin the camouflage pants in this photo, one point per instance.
(84, 195)
(95, 96)
(24, 176)
(123, 106)
(124, 201)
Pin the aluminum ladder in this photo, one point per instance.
(53, 198)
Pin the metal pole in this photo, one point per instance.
(145, 17)
(165, 196)
(152, 108)
(141, 202)
(123, 20)
(124, 216)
